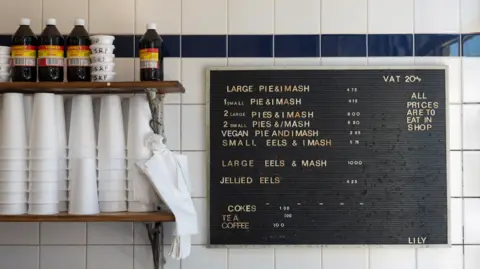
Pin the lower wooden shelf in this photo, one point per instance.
(102, 217)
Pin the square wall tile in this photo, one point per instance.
(472, 220)
(297, 17)
(344, 258)
(11, 14)
(455, 127)
(337, 19)
(305, 258)
(400, 258)
(194, 73)
(250, 258)
(65, 19)
(63, 233)
(104, 233)
(471, 79)
(394, 61)
(440, 258)
(197, 162)
(201, 207)
(390, 16)
(343, 61)
(172, 122)
(456, 220)
(105, 19)
(472, 257)
(167, 14)
(202, 257)
(143, 258)
(470, 16)
(454, 74)
(315, 61)
(250, 17)
(250, 61)
(110, 257)
(19, 233)
(455, 173)
(471, 173)
(448, 10)
(124, 69)
(16, 257)
(471, 126)
(194, 127)
(204, 17)
(61, 257)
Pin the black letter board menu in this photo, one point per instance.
(327, 156)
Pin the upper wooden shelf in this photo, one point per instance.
(163, 87)
(102, 217)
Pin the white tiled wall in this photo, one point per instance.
(125, 246)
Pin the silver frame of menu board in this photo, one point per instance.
(207, 170)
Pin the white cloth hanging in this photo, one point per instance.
(168, 174)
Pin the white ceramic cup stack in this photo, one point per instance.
(62, 153)
(82, 173)
(4, 64)
(102, 58)
(43, 192)
(13, 155)
(139, 130)
(112, 181)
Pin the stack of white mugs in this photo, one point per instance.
(4, 63)
(102, 172)
(102, 58)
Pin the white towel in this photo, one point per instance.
(168, 174)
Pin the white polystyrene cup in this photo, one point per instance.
(43, 164)
(63, 206)
(63, 185)
(112, 185)
(13, 128)
(43, 175)
(43, 197)
(5, 50)
(13, 153)
(43, 123)
(112, 196)
(103, 76)
(112, 174)
(28, 105)
(13, 197)
(13, 176)
(113, 206)
(62, 195)
(139, 130)
(43, 208)
(111, 135)
(13, 164)
(83, 196)
(82, 128)
(61, 126)
(102, 39)
(111, 164)
(135, 206)
(43, 186)
(11, 186)
(13, 209)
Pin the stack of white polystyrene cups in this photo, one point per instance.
(102, 58)
(139, 117)
(112, 184)
(82, 167)
(44, 155)
(13, 155)
(62, 153)
(4, 64)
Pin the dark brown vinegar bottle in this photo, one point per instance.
(151, 55)
(24, 53)
(51, 53)
(78, 53)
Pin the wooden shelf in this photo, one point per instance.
(163, 87)
(102, 217)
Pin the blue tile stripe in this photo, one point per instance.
(288, 46)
